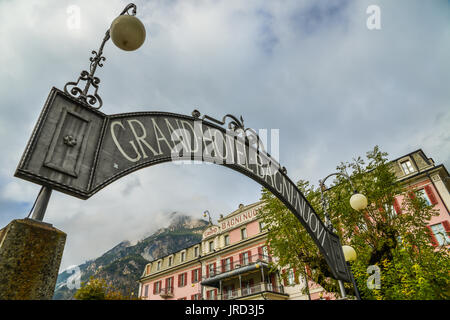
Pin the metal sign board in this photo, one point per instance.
(79, 150)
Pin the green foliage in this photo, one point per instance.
(411, 268)
(99, 289)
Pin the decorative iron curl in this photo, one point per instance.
(237, 126)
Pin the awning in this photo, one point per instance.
(214, 281)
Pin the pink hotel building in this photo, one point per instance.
(232, 261)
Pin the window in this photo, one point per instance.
(247, 287)
(227, 264)
(211, 269)
(196, 252)
(228, 292)
(393, 211)
(211, 246)
(170, 261)
(264, 253)
(407, 167)
(159, 265)
(440, 234)
(245, 258)
(196, 275)
(291, 277)
(183, 256)
(146, 291)
(182, 279)
(196, 296)
(169, 284)
(227, 239)
(157, 287)
(211, 294)
(244, 233)
(148, 269)
(261, 226)
(423, 195)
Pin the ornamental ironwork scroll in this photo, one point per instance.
(79, 150)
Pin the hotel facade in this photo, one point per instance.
(232, 259)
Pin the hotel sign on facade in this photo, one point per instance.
(230, 223)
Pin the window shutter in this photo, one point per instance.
(430, 194)
(284, 277)
(223, 264)
(260, 253)
(179, 280)
(241, 259)
(193, 276)
(434, 241)
(200, 274)
(207, 271)
(208, 294)
(249, 256)
(231, 263)
(397, 207)
(446, 225)
(215, 294)
(273, 280)
(308, 271)
(154, 288)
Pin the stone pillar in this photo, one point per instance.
(30, 256)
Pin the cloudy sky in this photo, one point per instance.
(312, 69)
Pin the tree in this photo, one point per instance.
(99, 289)
(399, 244)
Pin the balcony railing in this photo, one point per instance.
(166, 292)
(237, 264)
(248, 290)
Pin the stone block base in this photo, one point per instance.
(30, 256)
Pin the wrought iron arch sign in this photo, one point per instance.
(78, 150)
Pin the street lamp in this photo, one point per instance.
(350, 255)
(128, 33)
(206, 214)
(358, 202)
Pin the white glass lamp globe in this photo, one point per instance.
(349, 253)
(127, 32)
(358, 201)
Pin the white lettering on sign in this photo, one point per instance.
(182, 139)
(239, 219)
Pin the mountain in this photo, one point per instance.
(124, 264)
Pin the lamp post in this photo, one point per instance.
(350, 255)
(206, 214)
(128, 33)
(358, 202)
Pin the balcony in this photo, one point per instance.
(166, 293)
(252, 290)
